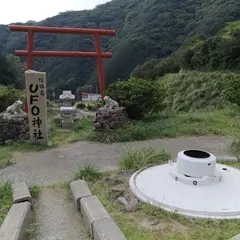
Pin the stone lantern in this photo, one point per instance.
(67, 111)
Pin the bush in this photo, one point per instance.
(137, 95)
(231, 90)
(8, 95)
(93, 106)
(88, 173)
(83, 124)
(57, 122)
(100, 103)
(189, 91)
(34, 191)
(81, 105)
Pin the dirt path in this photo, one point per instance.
(57, 165)
(56, 218)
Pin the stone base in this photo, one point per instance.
(67, 124)
(110, 118)
(13, 127)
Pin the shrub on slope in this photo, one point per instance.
(188, 91)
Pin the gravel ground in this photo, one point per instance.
(56, 218)
(57, 165)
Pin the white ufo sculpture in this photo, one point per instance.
(195, 185)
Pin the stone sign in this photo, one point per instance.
(37, 105)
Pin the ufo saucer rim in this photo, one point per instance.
(171, 208)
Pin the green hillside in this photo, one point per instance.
(190, 91)
(219, 52)
(145, 29)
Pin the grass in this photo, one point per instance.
(231, 164)
(34, 191)
(5, 199)
(88, 173)
(163, 125)
(137, 225)
(193, 90)
(136, 158)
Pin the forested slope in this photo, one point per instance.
(145, 29)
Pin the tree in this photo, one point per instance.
(146, 29)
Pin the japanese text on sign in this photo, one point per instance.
(36, 98)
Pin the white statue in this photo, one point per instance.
(109, 103)
(15, 108)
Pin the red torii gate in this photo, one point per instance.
(30, 52)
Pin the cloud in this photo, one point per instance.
(25, 10)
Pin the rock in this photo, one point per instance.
(129, 197)
(117, 191)
(122, 200)
(155, 222)
(110, 118)
(114, 181)
(13, 127)
(129, 205)
(132, 205)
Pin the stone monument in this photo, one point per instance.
(37, 103)
(67, 111)
(111, 116)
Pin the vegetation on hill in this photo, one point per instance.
(11, 80)
(11, 71)
(184, 91)
(145, 29)
(220, 52)
(8, 95)
(189, 91)
(138, 96)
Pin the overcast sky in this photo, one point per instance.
(24, 10)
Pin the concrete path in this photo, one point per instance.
(57, 165)
(56, 218)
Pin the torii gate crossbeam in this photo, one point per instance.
(30, 52)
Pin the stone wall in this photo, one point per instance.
(110, 118)
(13, 127)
